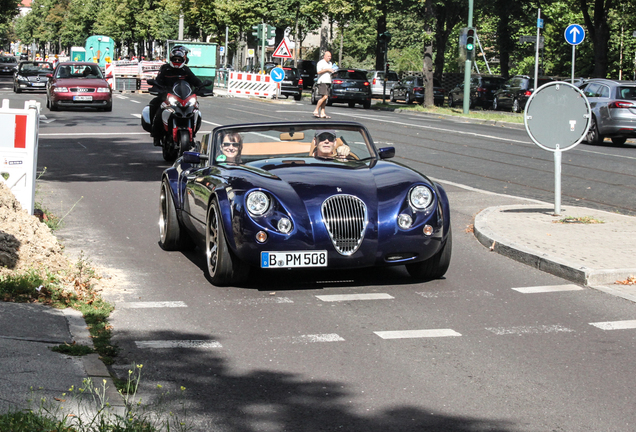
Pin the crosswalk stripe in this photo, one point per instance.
(409, 334)
(147, 305)
(546, 289)
(350, 297)
(310, 338)
(159, 344)
(519, 330)
(615, 325)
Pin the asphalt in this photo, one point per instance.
(596, 255)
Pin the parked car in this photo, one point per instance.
(8, 64)
(78, 84)
(613, 106)
(279, 205)
(347, 86)
(376, 78)
(482, 91)
(307, 70)
(31, 75)
(292, 85)
(411, 89)
(515, 92)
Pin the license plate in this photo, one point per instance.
(38, 84)
(82, 98)
(294, 259)
(354, 89)
(287, 82)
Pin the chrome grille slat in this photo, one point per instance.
(345, 217)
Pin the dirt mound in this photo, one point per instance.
(25, 242)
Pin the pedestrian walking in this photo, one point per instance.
(324, 70)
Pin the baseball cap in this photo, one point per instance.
(331, 132)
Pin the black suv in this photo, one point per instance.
(347, 86)
(292, 84)
(515, 92)
(482, 91)
(411, 88)
(307, 70)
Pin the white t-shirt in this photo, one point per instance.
(324, 78)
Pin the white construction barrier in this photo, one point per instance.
(248, 84)
(19, 150)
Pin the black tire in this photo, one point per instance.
(109, 108)
(352, 104)
(298, 97)
(619, 141)
(17, 89)
(407, 98)
(366, 105)
(223, 267)
(172, 237)
(392, 97)
(451, 102)
(184, 141)
(50, 105)
(495, 104)
(314, 101)
(436, 266)
(515, 106)
(168, 152)
(593, 137)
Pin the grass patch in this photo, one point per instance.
(475, 113)
(73, 349)
(580, 220)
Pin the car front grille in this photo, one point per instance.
(82, 90)
(345, 217)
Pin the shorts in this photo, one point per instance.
(323, 89)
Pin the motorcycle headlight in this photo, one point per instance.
(420, 197)
(172, 100)
(257, 203)
(192, 101)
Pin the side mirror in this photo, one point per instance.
(194, 158)
(50, 75)
(386, 152)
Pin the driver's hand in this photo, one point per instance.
(343, 151)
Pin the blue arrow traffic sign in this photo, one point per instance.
(574, 34)
(277, 74)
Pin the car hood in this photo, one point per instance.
(80, 82)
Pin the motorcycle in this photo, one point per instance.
(180, 116)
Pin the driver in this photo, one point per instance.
(168, 75)
(325, 142)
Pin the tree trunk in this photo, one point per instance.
(379, 48)
(428, 55)
(599, 33)
(505, 42)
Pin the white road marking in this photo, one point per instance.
(455, 294)
(616, 325)
(93, 134)
(146, 305)
(410, 334)
(209, 122)
(519, 330)
(258, 301)
(350, 297)
(545, 289)
(310, 338)
(134, 101)
(136, 115)
(160, 344)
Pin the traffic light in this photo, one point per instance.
(258, 31)
(384, 38)
(386, 70)
(470, 40)
(271, 32)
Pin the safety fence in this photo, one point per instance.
(248, 84)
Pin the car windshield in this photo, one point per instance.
(627, 92)
(7, 60)
(78, 71)
(252, 145)
(36, 67)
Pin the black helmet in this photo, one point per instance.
(178, 56)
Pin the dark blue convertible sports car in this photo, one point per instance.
(302, 195)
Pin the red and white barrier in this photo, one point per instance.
(110, 70)
(248, 84)
(19, 150)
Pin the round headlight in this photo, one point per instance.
(405, 221)
(284, 225)
(257, 203)
(420, 197)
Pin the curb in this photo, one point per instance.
(582, 275)
(94, 367)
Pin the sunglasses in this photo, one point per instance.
(326, 137)
(233, 144)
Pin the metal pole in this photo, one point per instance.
(263, 34)
(227, 30)
(181, 27)
(557, 181)
(468, 65)
(536, 55)
(483, 54)
(573, 57)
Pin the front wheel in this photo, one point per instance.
(168, 151)
(171, 235)
(223, 267)
(436, 266)
(407, 98)
(184, 141)
(516, 106)
(593, 136)
(392, 96)
(495, 104)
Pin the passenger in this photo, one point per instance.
(325, 142)
(231, 148)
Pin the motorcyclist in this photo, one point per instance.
(169, 73)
